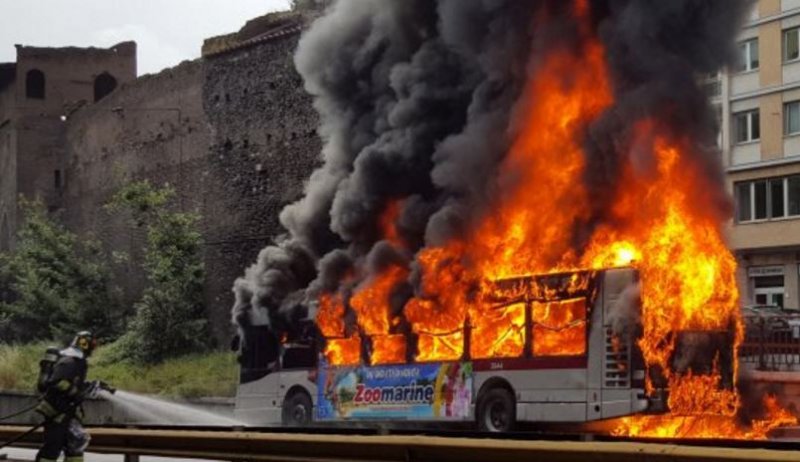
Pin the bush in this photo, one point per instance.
(191, 376)
(170, 318)
(53, 284)
(19, 366)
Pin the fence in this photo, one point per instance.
(772, 342)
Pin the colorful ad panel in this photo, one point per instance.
(437, 391)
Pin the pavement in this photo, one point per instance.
(28, 455)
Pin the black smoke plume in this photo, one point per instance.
(418, 98)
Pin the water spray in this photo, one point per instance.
(155, 410)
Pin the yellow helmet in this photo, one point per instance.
(85, 342)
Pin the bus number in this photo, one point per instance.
(495, 365)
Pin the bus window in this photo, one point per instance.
(343, 351)
(559, 327)
(299, 357)
(259, 353)
(388, 349)
(499, 332)
(440, 347)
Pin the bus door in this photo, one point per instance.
(615, 338)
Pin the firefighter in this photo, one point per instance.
(63, 390)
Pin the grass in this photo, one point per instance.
(19, 366)
(193, 376)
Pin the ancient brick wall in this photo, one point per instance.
(32, 128)
(264, 147)
(153, 128)
(234, 133)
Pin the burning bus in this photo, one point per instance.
(563, 355)
(497, 177)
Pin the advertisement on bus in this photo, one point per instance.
(440, 391)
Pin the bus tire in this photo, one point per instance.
(297, 409)
(497, 411)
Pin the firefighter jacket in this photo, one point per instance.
(66, 387)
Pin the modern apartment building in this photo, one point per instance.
(759, 107)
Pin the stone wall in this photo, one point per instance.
(70, 74)
(32, 129)
(264, 147)
(153, 128)
(233, 132)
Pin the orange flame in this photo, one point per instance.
(330, 315)
(707, 425)
(662, 221)
(388, 223)
(371, 303)
(559, 328)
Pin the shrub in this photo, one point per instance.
(170, 317)
(53, 283)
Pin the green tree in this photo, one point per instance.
(53, 283)
(170, 318)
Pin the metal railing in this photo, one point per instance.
(243, 446)
(772, 342)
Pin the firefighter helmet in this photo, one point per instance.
(85, 342)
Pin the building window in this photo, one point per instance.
(791, 48)
(34, 84)
(793, 194)
(767, 199)
(777, 204)
(748, 55)
(768, 290)
(747, 126)
(104, 84)
(744, 209)
(791, 118)
(767, 283)
(718, 123)
(760, 206)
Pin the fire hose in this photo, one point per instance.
(97, 385)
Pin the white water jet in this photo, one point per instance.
(160, 411)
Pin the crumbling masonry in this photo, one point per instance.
(233, 132)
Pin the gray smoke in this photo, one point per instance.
(656, 52)
(624, 314)
(417, 101)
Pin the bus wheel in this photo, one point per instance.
(297, 410)
(497, 411)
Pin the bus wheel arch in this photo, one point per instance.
(297, 408)
(496, 406)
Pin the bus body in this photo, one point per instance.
(607, 380)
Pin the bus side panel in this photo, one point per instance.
(551, 395)
(623, 402)
(297, 379)
(259, 402)
(551, 412)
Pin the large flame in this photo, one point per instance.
(661, 220)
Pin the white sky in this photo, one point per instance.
(166, 31)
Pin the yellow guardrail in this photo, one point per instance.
(274, 447)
